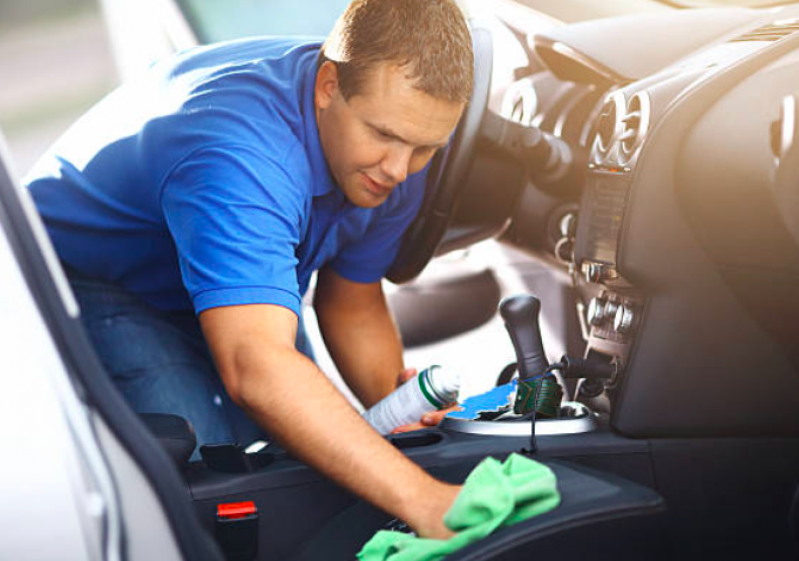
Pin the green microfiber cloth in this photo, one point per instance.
(495, 494)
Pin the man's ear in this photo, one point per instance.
(326, 84)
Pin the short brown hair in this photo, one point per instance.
(429, 38)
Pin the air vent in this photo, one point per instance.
(634, 124)
(771, 32)
(607, 126)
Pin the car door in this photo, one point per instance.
(52, 478)
(76, 481)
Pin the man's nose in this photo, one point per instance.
(395, 164)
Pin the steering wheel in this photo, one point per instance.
(448, 170)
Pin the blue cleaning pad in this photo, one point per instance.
(492, 400)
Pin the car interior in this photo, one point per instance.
(652, 162)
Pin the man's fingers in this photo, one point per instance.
(434, 417)
(428, 420)
(409, 428)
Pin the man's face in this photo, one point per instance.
(378, 137)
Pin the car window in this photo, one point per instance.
(215, 20)
(728, 3)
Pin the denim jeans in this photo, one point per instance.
(161, 363)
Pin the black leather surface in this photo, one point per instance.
(601, 516)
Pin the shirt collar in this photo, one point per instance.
(323, 182)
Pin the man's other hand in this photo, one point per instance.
(430, 419)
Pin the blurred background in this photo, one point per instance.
(55, 63)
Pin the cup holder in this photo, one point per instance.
(415, 439)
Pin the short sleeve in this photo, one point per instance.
(369, 259)
(236, 218)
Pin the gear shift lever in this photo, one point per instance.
(520, 314)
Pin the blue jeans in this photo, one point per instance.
(161, 363)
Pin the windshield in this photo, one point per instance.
(219, 20)
(728, 3)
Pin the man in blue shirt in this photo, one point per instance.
(213, 187)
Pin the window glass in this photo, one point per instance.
(219, 20)
(730, 3)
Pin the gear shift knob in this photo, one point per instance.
(520, 314)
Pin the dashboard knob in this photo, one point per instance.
(596, 311)
(598, 272)
(623, 320)
(610, 309)
(593, 272)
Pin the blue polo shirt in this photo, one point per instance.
(204, 184)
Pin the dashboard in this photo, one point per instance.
(676, 226)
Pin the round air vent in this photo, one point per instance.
(634, 125)
(606, 128)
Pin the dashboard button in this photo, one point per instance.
(598, 272)
(623, 320)
(610, 309)
(596, 311)
(593, 272)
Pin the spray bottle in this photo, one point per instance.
(433, 388)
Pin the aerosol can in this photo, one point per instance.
(433, 388)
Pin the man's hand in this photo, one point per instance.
(428, 522)
(430, 419)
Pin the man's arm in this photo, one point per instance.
(284, 392)
(360, 335)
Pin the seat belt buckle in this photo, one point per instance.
(237, 530)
